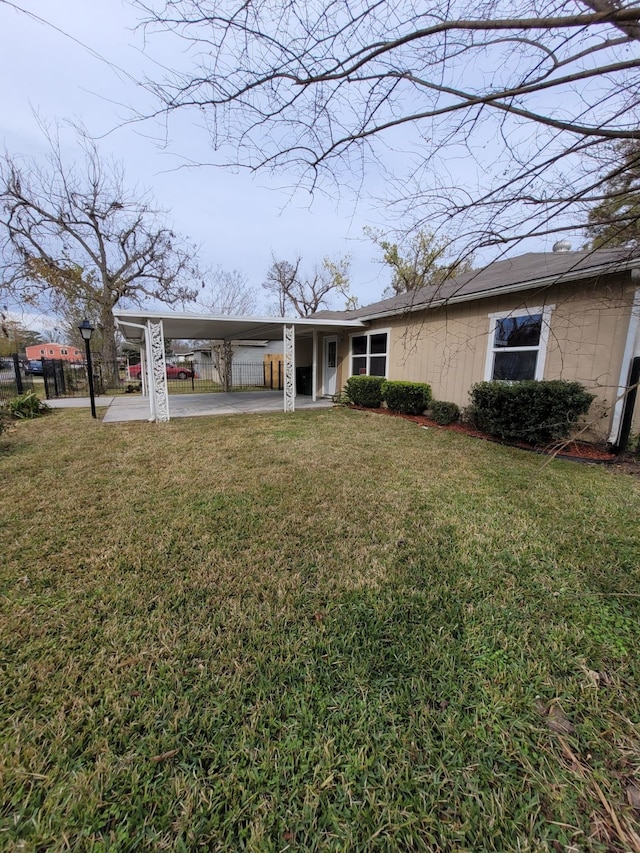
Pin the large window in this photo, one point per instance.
(517, 344)
(369, 354)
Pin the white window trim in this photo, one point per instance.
(541, 349)
(367, 334)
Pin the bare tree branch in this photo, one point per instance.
(320, 88)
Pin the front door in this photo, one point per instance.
(330, 365)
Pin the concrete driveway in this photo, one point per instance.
(133, 407)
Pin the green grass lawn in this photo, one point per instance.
(327, 631)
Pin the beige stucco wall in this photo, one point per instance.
(447, 347)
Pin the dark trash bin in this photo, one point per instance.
(303, 381)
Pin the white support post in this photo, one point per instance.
(314, 367)
(632, 347)
(148, 373)
(143, 365)
(158, 393)
(289, 368)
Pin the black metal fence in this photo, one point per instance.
(189, 377)
(60, 378)
(242, 375)
(14, 379)
(71, 379)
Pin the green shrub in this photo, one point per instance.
(365, 391)
(27, 405)
(444, 413)
(536, 412)
(409, 398)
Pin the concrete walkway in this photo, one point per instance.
(78, 402)
(133, 407)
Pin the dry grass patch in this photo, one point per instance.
(325, 631)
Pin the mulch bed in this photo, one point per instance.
(578, 451)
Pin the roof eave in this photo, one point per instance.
(545, 281)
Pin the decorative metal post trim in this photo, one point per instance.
(158, 372)
(289, 369)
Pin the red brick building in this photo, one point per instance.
(63, 351)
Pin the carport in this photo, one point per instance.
(149, 330)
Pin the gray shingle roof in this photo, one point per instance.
(525, 272)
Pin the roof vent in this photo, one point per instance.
(562, 246)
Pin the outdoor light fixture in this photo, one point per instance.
(86, 330)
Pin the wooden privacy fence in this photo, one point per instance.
(274, 370)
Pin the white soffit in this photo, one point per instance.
(212, 327)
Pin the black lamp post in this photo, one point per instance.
(86, 330)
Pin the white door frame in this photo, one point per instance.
(327, 390)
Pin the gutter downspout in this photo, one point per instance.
(631, 350)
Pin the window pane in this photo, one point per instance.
(378, 344)
(359, 345)
(358, 365)
(519, 331)
(515, 365)
(332, 347)
(378, 365)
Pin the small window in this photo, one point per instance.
(369, 354)
(378, 344)
(332, 351)
(63, 352)
(359, 345)
(518, 331)
(517, 344)
(50, 352)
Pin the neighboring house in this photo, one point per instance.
(560, 315)
(66, 352)
(248, 360)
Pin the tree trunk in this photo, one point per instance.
(223, 354)
(110, 373)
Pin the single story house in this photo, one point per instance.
(247, 360)
(558, 315)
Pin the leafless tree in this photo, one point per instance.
(226, 294)
(73, 237)
(533, 91)
(307, 294)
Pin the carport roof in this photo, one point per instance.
(215, 328)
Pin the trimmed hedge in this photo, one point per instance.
(536, 412)
(444, 413)
(365, 391)
(409, 398)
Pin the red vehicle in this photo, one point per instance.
(173, 371)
